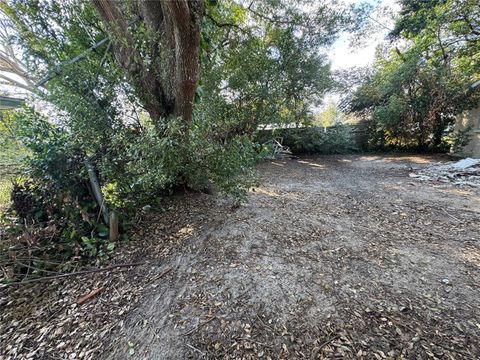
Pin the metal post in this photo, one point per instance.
(97, 192)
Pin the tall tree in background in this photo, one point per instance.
(265, 61)
(330, 116)
(424, 79)
(163, 64)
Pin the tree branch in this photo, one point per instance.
(15, 83)
(220, 25)
(83, 272)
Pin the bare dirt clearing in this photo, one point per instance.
(332, 257)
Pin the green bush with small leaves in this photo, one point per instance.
(336, 139)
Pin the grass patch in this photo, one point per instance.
(10, 167)
(5, 189)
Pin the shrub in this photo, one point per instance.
(314, 140)
(136, 168)
(54, 194)
(175, 154)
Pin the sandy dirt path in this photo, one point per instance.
(332, 257)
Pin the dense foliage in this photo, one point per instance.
(423, 80)
(266, 63)
(260, 64)
(337, 139)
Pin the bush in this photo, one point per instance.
(136, 168)
(52, 201)
(175, 154)
(314, 140)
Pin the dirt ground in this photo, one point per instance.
(332, 257)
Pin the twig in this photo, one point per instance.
(195, 349)
(159, 276)
(199, 326)
(89, 296)
(100, 210)
(263, 323)
(222, 24)
(319, 348)
(244, 292)
(83, 272)
(453, 217)
(33, 258)
(33, 267)
(268, 255)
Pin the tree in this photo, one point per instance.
(122, 82)
(99, 100)
(332, 115)
(266, 62)
(13, 73)
(423, 81)
(446, 31)
(163, 63)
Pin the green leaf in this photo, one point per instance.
(102, 230)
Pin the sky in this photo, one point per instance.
(343, 57)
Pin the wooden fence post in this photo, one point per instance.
(113, 226)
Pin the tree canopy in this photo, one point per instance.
(423, 80)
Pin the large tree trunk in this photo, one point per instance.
(164, 70)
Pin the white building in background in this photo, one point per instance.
(470, 118)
